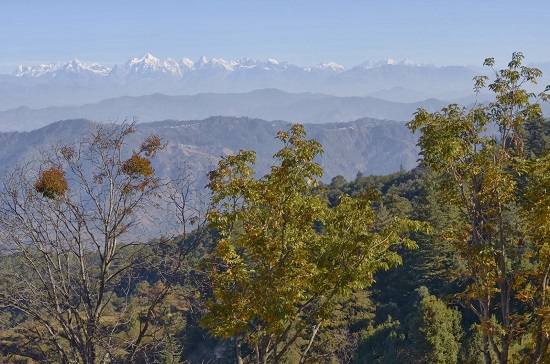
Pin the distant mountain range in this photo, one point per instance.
(77, 83)
(267, 104)
(367, 145)
(155, 89)
(150, 66)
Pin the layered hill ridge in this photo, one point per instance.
(368, 146)
(267, 104)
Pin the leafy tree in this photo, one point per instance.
(477, 155)
(438, 331)
(472, 347)
(338, 340)
(72, 260)
(384, 343)
(536, 137)
(285, 257)
(535, 283)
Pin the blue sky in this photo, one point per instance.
(307, 32)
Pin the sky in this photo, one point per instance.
(304, 32)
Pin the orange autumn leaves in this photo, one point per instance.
(52, 182)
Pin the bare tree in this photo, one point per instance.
(73, 255)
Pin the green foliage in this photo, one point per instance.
(536, 137)
(440, 331)
(472, 348)
(535, 282)
(478, 173)
(285, 257)
(383, 344)
(430, 333)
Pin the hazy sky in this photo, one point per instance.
(305, 32)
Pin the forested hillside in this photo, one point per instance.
(366, 145)
(444, 263)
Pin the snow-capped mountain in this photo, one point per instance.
(187, 64)
(150, 66)
(75, 66)
(216, 64)
(76, 82)
(36, 71)
(328, 66)
(389, 62)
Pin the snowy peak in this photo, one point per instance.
(77, 67)
(187, 64)
(73, 67)
(407, 62)
(387, 62)
(270, 65)
(215, 64)
(330, 66)
(150, 66)
(36, 71)
(147, 59)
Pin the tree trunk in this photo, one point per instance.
(238, 350)
(313, 334)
